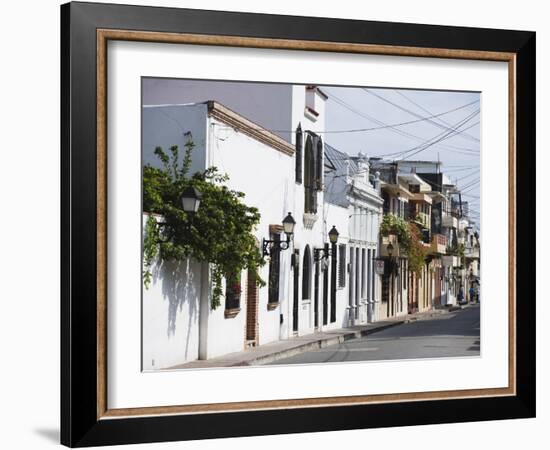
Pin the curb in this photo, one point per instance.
(321, 343)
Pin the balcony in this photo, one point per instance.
(471, 252)
(450, 261)
(439, 244)
(422, 219)
(449, 221)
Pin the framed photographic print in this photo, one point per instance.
(276, 224)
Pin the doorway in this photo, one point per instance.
(296, 291)
(251, 309)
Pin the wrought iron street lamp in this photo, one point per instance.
(269, 245)
(191, 199)
(190, 202)
(333, 235)
(389, 249)
(288, 225)
(324, 253)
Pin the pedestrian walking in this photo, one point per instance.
(472, 294)
(461, 295)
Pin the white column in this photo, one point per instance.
(352, 286)
(363, 222)
(359, 282)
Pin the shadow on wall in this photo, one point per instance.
(180, 283)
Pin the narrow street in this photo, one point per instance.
(447, 335)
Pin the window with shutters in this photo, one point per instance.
(387, 206)
(306, 275)
(342, 266)
(298, 155)
(274, 272)
(319, 165)
(232, 294)
(310, 191)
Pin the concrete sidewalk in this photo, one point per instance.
(274, 351)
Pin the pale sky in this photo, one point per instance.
(359, 108)
(349, 109)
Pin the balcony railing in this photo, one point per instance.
(471, 252)
(439, 244)
(423, 219)
(449, 221)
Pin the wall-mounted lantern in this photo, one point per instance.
(190, 202)
(269, 245)
(333, 235)
(191, 199)
(324, 253)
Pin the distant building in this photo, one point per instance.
(351, 185)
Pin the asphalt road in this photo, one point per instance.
(446, 335)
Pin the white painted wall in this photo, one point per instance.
(223, 335)
(266, 176)
(171, 314)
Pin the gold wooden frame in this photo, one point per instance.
(103, 36)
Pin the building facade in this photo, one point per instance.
(279, 160)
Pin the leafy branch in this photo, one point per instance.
(219, 233)
(408, 237)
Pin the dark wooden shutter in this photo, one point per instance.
(306, 275)
(298, 155)
(342, 266)
(319, 163)
(333, 269)
(274, 272)
(233, 291)
(308, 175)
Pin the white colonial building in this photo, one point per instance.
(279, 173)
(351, 186)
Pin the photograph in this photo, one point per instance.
(276, 224)
(287, 224)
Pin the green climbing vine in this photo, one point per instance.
(409, 238)
(416, 251)
(219, 233)
(150, 248)
(392, 224)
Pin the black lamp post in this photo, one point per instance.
(268, 245)
(190, 202)
(324, 253)
(288, 225)
(191, 199)
(389, 248)
(333, 235)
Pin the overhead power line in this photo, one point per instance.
(382, 125)
(402, 94)
(391, 128)
(441, 136)
(433, 122)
